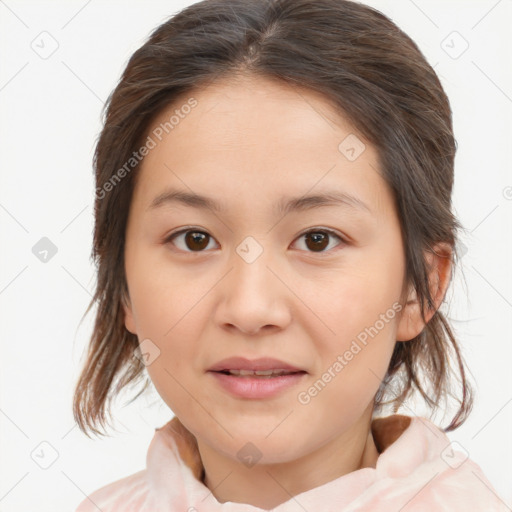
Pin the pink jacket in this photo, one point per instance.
(417, 470)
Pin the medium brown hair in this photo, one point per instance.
(376, 77)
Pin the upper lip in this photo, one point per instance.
(264, 363)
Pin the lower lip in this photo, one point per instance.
(257, 387)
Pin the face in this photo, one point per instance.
(316, 285)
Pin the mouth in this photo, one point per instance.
(260, 379)
(256, 379)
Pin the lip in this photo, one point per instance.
(263, 363)
(256, 387)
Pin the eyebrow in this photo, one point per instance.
(282, 207)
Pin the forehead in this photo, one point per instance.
(252, 137)
(232, 110)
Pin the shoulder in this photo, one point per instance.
(128, 494)
(460, 485)
(421, 469)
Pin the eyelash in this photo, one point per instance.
(330, 232)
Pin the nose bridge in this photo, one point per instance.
(251, 261)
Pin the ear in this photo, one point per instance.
(411, 324)
(129, 321)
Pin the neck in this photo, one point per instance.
(269, 485)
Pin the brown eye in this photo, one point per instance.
(190, 240)
(317, 240)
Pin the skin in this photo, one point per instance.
(248, 142)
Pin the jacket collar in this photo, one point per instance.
(385, 431)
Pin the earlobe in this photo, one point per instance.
(411, 323)
(129, 321)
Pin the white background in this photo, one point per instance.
(50, 118)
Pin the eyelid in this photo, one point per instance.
(344, 240)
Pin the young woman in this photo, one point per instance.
(274, 238)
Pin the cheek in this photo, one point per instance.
(162, 294)
(361, 310)
(357, 299)
(166, 309)
(172, 321)
(175, 371)
(353, 367)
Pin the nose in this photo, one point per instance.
(254, 296)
